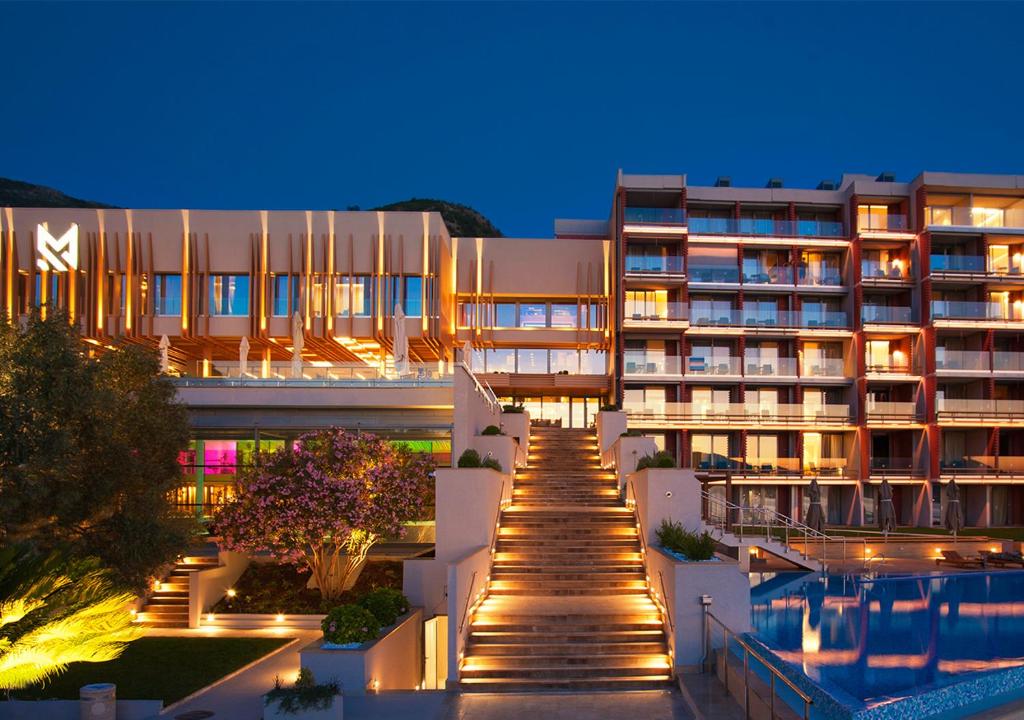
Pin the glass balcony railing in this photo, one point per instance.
(961, 359)
(655, 216)
(648, 365)
(824, 367)
(958, 263)
(881, 411)
(886, 314)
(893, 466)
(872, 269)
(749, 317)
(819, 276)
(754, 226)
(769, 367)
(714, 274)
(978, 217)
(765, 275)
(888, 365)
(280, 374)
(744, 413)
(973, 409)
(767, 466)
(710, 365)
(983, 465)
(968, 310)
(882, 223)
(1008, 361)
(654, 264)
(655, 312)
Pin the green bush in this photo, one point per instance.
(695, 546)
(386, 604)
(631, 433)
(492, 463)
(660, 459)
(470, 458)
(609, 407)
(350, 624)
(305, 695)
(492, 430)
(512, 408)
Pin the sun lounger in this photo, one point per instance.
(1003, 559)
(952, 557)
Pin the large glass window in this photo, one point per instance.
(279, 291)
(501, 361)
(593, 362)
(565, 361)
(229, 295)
(49, 296)
(505, 315)
(533, 315)
(353, 296)
(413, 304)
(564, 315)
(532, 361)
(167, 295)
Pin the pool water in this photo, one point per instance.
(869, 641)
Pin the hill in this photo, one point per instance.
(462, 220)
(15, 193)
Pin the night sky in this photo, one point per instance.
(523, 111)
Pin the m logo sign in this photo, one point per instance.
(57, 254)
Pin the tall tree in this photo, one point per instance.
(88, 449)
(326, 503)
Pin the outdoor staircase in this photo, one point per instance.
(568, 605)
(167, 607)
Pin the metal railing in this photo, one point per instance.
(745, 413)
(642, 312)
(668, 610)
(775, 675)
(469, 596)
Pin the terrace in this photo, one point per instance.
(672, 414)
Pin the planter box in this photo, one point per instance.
(391, 662)
(335, 712)
(500, 447)
(71, 709)
(517, 427)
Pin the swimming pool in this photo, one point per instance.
(874, 644)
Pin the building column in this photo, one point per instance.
(200, 476)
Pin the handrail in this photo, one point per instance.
(748, 652)
(668, 610)
(465, 609)
(639, 522)
(488, 394)
(497, 516)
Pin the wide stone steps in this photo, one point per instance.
(617, 667)
(585, 641)
(554, 684)
(167, 607)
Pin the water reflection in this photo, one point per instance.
(871, 640)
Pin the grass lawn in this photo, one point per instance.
(159, 668)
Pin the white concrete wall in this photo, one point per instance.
(626, 453)
(610, 426)
(517, 426)
(466, 508)
(207, 587)
(473, 411)
(467, 580)
(500, 447)
(393, 660)
(71, 709)
(665, 494)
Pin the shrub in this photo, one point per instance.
(492, 430)
(305, 695)
(631, 433)
(470, 458)
(386, 604)
(512, 408)
(350, 624)
(660, 459)
(694, 546)
(492, 463)
(609, 407)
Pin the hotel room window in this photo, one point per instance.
(279, 287)
(500, 361)
(533, 315)
(352, 296)
(229, 295)
(532, 361)
(565, 361)
(413, 301)
(505, 315)
(564, 315)
(167, 295)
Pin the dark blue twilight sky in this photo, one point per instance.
(523, 111)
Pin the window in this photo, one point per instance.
(564, 315)
(567, 361)
(317, 295)
(593, 362)
(413, 305)
(467, 314)
(710, 452)
(532, 361)
(167, 295)
(501, 361)
(872, 217)
(229, 295)
(939, 215)
(279, 288)
(533, 315)
(646, 304)
(49, 296)
(505, 315)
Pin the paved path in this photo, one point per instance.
(239, 696)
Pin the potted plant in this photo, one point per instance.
(305, 699)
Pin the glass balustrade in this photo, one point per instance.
(758, 226)
(824, 367)
(961, 359)
(655, 312)
(891, 410)
(654, 216)
(639, 364)
(698, 364)
(654, 264)
(969, 310)
(958, 263)
(886, 314)
(713, 274)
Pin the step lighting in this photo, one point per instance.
(279, 618)
(231, 592)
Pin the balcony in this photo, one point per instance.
(714, 274)
(654, 216)
(894, 467)
(759, 318)
(774, 228)
(971, 310)
(1007, 362)
(983, 465)
(766, 466)
(958, 263)
(754, 274)
(819, 276)
(963, 360)
(893, 270)
(892, 365)
(975, 411)
(770, 367)
(975, 218)
(644, 365)
(823, 368)
(874, 223)
(655, 315)
(891, 412)
(657, 265)
(703, 366)
(740, 414)
(886, 315)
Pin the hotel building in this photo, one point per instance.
(861, 330)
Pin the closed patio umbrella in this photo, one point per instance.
(243, 357)
(401, 343)
(298, 342)
(886, 511)
(815, 517)
(954, 519)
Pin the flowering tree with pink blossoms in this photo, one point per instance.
(326, 502)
